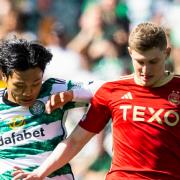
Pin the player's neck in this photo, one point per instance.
(165, 78)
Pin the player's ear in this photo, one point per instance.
(4, 78)
(129, 50)
(168, 52)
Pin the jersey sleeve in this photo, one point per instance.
(84, 91)
(98, 114)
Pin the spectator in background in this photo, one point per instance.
(115, 17)
(5, 8)
(172, 21)
(93, 44)
(16, 24)
(65, 62)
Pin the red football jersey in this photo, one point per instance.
(145, 127)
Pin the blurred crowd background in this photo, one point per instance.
(88, 40)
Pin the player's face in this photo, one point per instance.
(149, 66)
(23, 87)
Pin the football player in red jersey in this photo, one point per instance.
(145, 111)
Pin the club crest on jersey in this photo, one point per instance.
(37, 108)
(174, 97)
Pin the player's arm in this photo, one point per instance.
(79, 92)
(62, 154)
(58, 100)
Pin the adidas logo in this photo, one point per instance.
(127, 96)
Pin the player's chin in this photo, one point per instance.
(26, 103)
(147, 83)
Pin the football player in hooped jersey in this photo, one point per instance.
(27, 133)
(145, 112)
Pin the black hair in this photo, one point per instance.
(21, 55)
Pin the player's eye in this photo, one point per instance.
(140, 62)
(152, 62)
(36, 84)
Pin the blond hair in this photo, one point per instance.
(146, 36)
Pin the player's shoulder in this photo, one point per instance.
(109, 86)
(175, 79)
(52, 85)
(52, 81)
(123, 80)
(177, 76)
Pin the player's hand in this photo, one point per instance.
(58, 100)
(20, 174)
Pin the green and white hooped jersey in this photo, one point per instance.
(29, 135)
